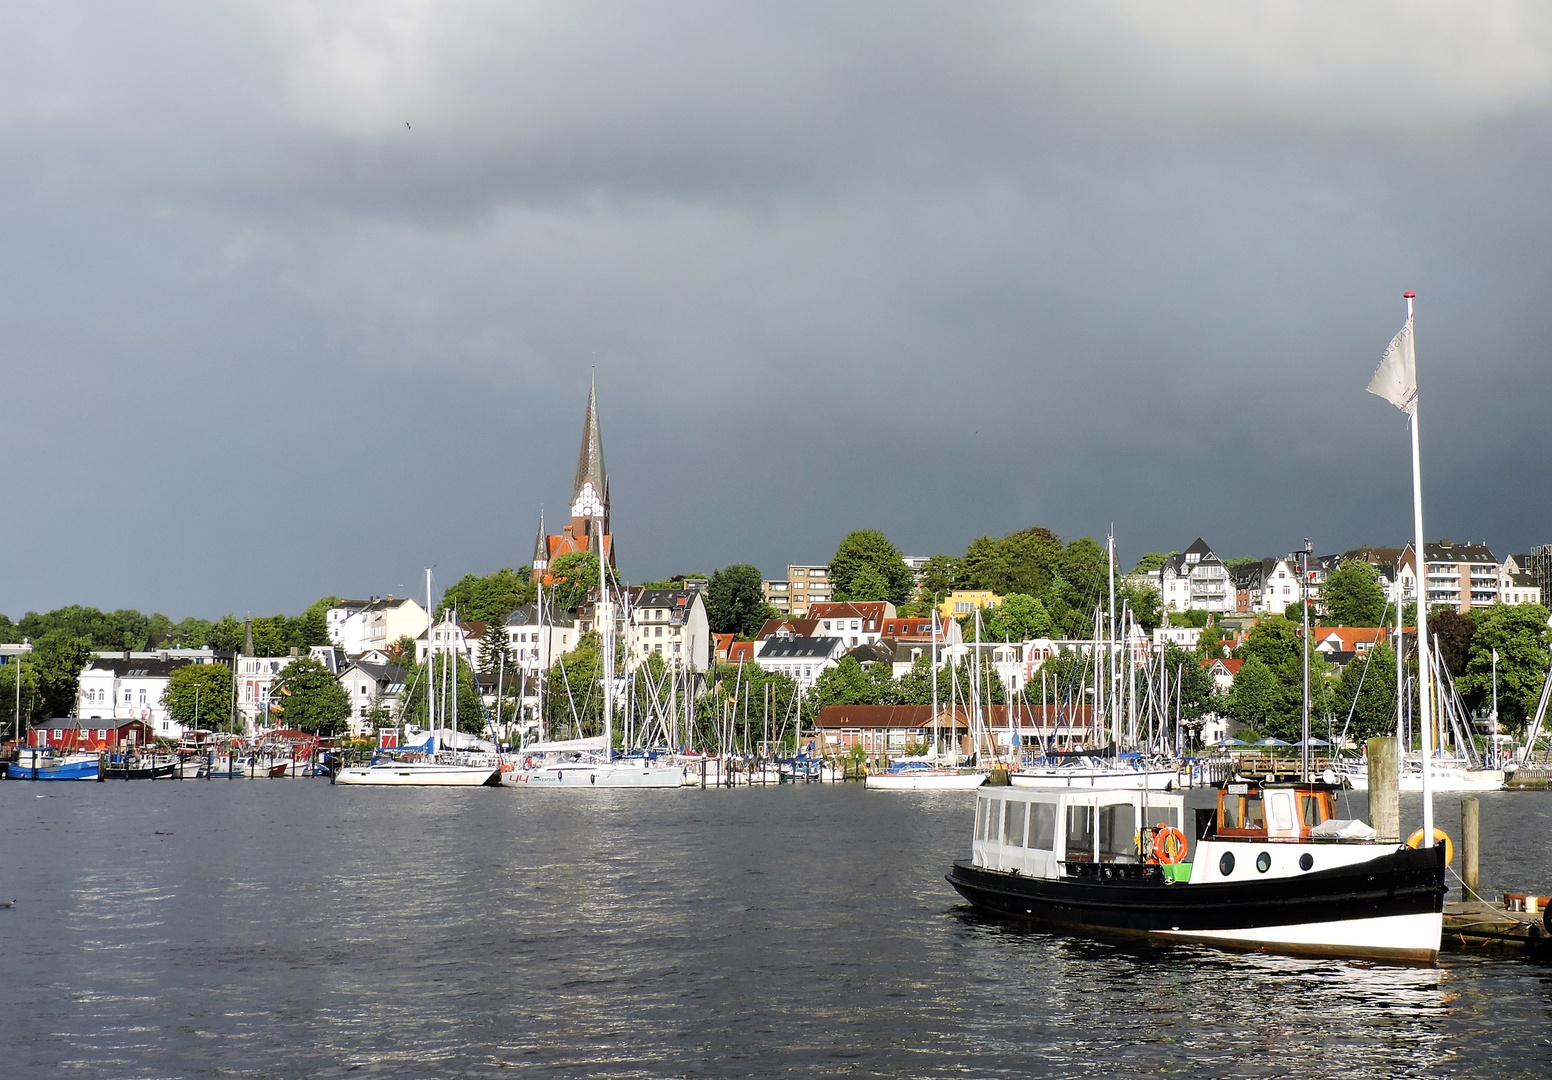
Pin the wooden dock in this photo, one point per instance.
(1478, 926)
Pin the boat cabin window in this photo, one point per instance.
(1241, 812)
(1013, 823)
(1279, 807)
(1117, 832)
(986, 821)
(1080, 834)
(1317, 806)
(1042, 825)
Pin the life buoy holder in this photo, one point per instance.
(1169, 845)
(1439, 836)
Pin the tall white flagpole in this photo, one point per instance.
(1420, 553)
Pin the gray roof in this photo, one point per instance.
(139, 667)
(1450, 551)
(872, 654)
(528, 615)
(382, 674)
(675, 599)
(799, 648)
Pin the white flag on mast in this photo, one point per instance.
(1395, 379)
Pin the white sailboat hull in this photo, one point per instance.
(418, 774)
(595, 775)
(1098, 779)
(924, 780)
(1440, 781)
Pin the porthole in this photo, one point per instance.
(1264, 861)
(1226, 864)
(1306, 861)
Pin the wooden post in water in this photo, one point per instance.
(1384, 790)
(1470, 849)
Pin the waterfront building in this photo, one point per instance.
(1461, 575)
(802, 659)
(671, 624)
(372, 687)
(1195, 579)
(534, 642)
(804, 586)
(964, 601)
(588, 529)
(450, 637)
(69, 734)
(358, 627)
(859, 622)
(129, 686)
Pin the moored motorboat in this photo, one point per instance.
(423, 766)
(35, 764)
(1272, 869)
(139, 767)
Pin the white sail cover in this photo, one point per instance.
(1395, 379)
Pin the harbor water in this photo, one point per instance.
(288, 928)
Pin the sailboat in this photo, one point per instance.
(934, 774)
(425, 765)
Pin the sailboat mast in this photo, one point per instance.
(1114, 672)
(936, 735)
(605, 624)
(1304, 603)
(1425, 719)
(430, 665)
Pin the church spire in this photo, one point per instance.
(590, 492)
(541, 554)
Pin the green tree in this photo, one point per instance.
(1253, 697)
(1452, 633)
(1352, 595)
(1190, 617)
(1275, 640)
(57, 660)
(575, 574)
(101, 631)
(735, 601)
(848, 683)
(1017, 618)
(1153, 561)
(573, 699)
(1364, 699)
(940, 576)
(402, 652)
(270, 637)
(1521, 637)
(1021, 562)
(311, 627)
(870, 550)
(200, 696)
(1146, 605)
(1191, 684)
(1084, 570)
(311, 698)
(494, 646)
(467, 707)
(226, 635)
(31, 697)
(495, 596)
(10, 633)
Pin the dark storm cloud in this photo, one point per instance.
(940, 269)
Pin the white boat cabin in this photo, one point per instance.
(1038, 833)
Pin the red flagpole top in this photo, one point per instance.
(1409, 294)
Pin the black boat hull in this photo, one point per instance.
(1389, 907)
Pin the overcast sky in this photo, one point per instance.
(300, 298)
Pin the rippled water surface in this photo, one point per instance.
(288, 928)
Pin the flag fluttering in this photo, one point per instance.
(1395, 379)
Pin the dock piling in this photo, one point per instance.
(1384, 790)
(1470, 849)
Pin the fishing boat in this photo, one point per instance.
(139, 767)
(923, 776)
(37, 764)
(1271, 869)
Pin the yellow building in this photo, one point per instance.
(964, 601)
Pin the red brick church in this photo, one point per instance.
(589, 503)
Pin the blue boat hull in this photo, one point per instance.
(76, 770)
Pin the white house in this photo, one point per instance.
(1195, 579)
(129, 686)
(371, 686)
(670, 623)
(376, 625)
(802, 659)
(449, 637)
(535, 643)
(859, 622)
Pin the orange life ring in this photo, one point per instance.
(1439, 836)
(1169, 844)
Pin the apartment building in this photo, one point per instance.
(803, 587)
(1196, 579)
(1461, 575)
